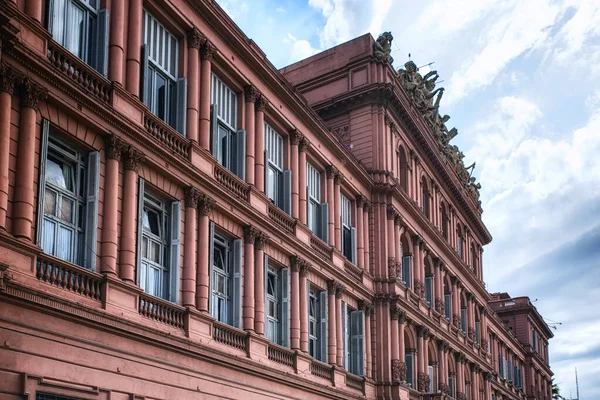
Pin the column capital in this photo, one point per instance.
(396, 312)
(9, 79)
(251, 94)
(339, 290)
(261, 241)
(207, 50)
(392, 267)
(391, 212)
(191, 196)
(250, 234)
(195, 39)
(205, 205)
(398, 220)
(331, 171)
(32, 94)
(417, 239)
(261, 103)
(303, 144)
(295, 136)
(299, 264)
(423, 331)
(366, 306)
(133, 158)
(367, 205)
(360, 201)
(114, 147)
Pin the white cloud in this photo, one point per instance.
(300, 49)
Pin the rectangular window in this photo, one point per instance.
(459, 245)
(278, 182)
(451, 385)
(352, 334)
(429, 290)
(68, 201)
(82, 29)
(410, 374)
(348, 231)
(501, 366)
(463, 320)
(406, 271)
(228, 143)
(448, 306)
(163, 92)
(225, 278)
(277, 293)
(318, 213)
(533, 340)
(477, 332)
(430, 373)
(317, 323)
(509, 370)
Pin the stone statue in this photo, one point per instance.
(382, 48)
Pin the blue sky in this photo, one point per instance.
(522, 83)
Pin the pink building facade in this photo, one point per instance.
(179, 219)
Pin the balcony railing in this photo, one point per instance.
(321, 247)
(79, 72)
(354, 381)
(281, 218)
(353, 271)
(161, 310)
(321, 370)
(232, 183)
(69, 277)
(230, 336)
(166, 135)
(281, 355)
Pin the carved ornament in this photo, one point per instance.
(32, 94)
(398, 371)
(191, 196)
(207, 51)
(133, 158)
(423, 382)
(114, 147)
(195, 39)
(205, 205)
(382, 48)
(251, 94)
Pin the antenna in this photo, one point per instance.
(426, 65)
(576, 383)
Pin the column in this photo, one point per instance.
(116, 44)
(366, 237)
(441, 370)
(331, 322)
(250, 235)
(134, 47)
(402, 345)
(439, 287)
(295, 308)
(188, 284)
(207, 52)
(24, 196)
(423, 333)
(331, 171)
(339, 339)
(205, 205)
(360, 247)
(302, 146)
(195, 41)
(417, 283)
(33, 8)
(259, 145)
(368, 310)
(395, 312)
(8, 79)
(295, 137)
(391, 246)
(110, 236)
(337, 200)
(259, 283)
(129, 214)
(304, 268)
(459, 381)
(250, 96)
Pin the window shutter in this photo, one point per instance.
(357, 342)
(214, 121)
(345, 333)
(430, 373)
(323, 222)
(286, 191)
(175, 251)
(447, 306)
(353, 244)
(42, 180)
(211, 261)
(240, 154)
(408, 359)
(181, 106)
(102, 29)
(144, 95)
(91, 210)
(140, 218)
(406, 271)
(268, 332)
(429, 290)
(323, 327)
(268, 183)
(236, 313)
(285, 308)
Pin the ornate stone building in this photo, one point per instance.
(180, 220)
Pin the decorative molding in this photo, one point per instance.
(205, 205)
(5, 277)
(191, 196)
(398, 371)
(114, 147)
(423, 382)
(251, 94)
(32, 94)
(195, 39)
(392, 268)
(207, 51)
(133, 158)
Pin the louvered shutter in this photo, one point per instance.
(267, 181)
(240, 154)
(144, 92)
(286, 191)
(181, 105)
(101, 42)
(211, 261)
(408, 359)
(268, 328)
(140, 221)
(285, 308)
(429, 290)
(323, 222)
(357, 342)
(91, 210)
(353, 245)
(236, 313)
(175, 251)
(447, 306)
(42, 181)
(214, 124)
(430, 373)
(345, 333)
(323, 326)
(406, 271)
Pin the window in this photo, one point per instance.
(430, 373)
(406, 271)
(225, 278)
(317, 323)
(477, 332)
(318, 213)
(277, 293)
(448, 306)
(501, 366)
(348, 231)
(82, 29)
(425, 198)
(459, 244)
(228, 143)
(47, 396)
(451, 385)
(352, 334)
(410, 370)
(429, 290)
(162, 91)
(278, 182)
(463, 320)
(68, 207)
(509, 370)
(159, 226)
(533, 340)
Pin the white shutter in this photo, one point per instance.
(323, 326)
(285, 308)
(175, 252)
(214, 122)
(406, 271)
(140, 220)
(430, 373)
(357, 342)
(101, 45)
(144, 95)
(237, 284)
(353, 244)
(91, 210)
(323, 222)
(181, 105)
(268, 328)
(211, 261)
(345, 333)
(42, 180)
(240, 154)
(287, 191)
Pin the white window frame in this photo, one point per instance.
(274, 320)
(153, 204)
(348, 231)
(60, 24)
(222, 300)
(313, 183)
(274, 165)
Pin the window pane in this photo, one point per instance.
(65, 244)
(48, 239)
(50, 202)
(58, 174)
(155, 252)
(161, 97)
(224, 143)
(66, 209)
(143, 276)
(151, 281)
(75, 30)
(58, 21)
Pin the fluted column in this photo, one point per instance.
(133, 159)
(34, 9)
(259, 283)
(250, 235)
(8, 79)
(24, 196)
(331, 322)
(114, 147)
(331, 172)
(295, 300)
(195, 40)
(207, 52)
(259, 145)
(418, 283)
(134, 47)
(337, 200)
(250, 97)
(295, 138)
(391, 247)
(368, 310)
(205, 205)
(188, 282)
(338, 310)
(422, 377)
(395, 312)
(366, 237)
(302, 146)
(304, 268)
(117, 42)
(441, 372)
(360, 247)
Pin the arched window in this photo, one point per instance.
(448, 299)
(403, 168)
(460, 242)
(445, 220)
(474, 260)
(425, 197)
(410, 357)
(428, 283)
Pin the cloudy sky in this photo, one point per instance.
(522, 83)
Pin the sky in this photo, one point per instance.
(522, 82)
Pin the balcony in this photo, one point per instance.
(232, 183)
